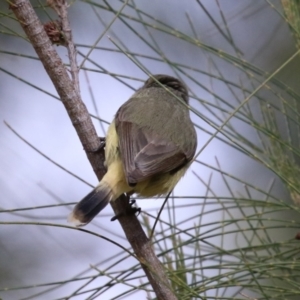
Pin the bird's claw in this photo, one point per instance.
(101, 146)
(129, 211)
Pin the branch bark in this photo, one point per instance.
(82, 122)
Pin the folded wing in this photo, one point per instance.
(146, 152)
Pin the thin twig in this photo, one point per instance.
(158, 216)
(47, 157)
(61, 8)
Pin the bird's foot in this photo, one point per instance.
(130, 210)
(101, 146)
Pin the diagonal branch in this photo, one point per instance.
(87, 134)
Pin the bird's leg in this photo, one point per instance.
(134, 209)
(129, 210)
(101, 146)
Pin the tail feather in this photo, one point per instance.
(91, 205)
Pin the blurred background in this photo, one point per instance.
(240, 193)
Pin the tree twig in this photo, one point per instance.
(61, 8)
(87, 134)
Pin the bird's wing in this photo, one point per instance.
(144, 152)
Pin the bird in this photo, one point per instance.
(149, 146)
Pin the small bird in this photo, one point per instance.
(149, 147)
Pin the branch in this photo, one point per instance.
(61, 8)
(67, 90)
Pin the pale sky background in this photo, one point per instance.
(36, 254)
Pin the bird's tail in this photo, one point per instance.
(91, 205)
